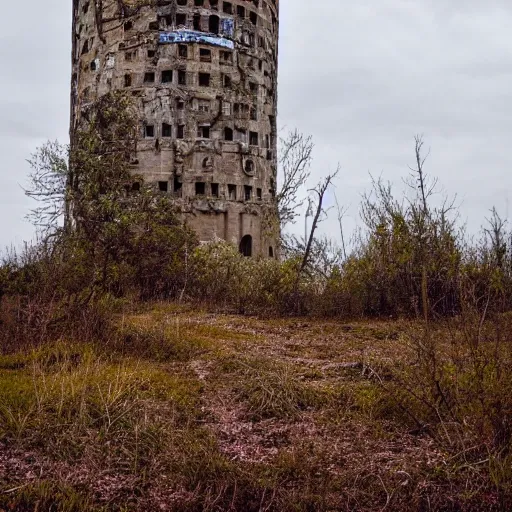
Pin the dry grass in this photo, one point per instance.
(183, 410)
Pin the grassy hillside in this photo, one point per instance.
(185, 410)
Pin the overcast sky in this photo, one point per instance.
(361, 77)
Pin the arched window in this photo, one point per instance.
(246, 245)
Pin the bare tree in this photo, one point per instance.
(47, 185)
(341, 213)
(295, 162)
(319, 191)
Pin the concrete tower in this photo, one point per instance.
(203, 74)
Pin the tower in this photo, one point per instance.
(203, 76)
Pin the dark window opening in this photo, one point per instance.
(204, 79)
(93, 65)
(254, 114)
(228, 134)
(182, 2)
(136, 186)
(247, 192)
(207, 162)
(85, 47)
(154, 25)
(198, 3)
(163, 186)
(200, 188)
(232, 192)
(227, 8)
(205, 55)
(249, 167)
(253, 17)
(270, 252)
(215, 189)
(149, 77)
(183, 50)
(181, 20)
(166, 130)
(213, 24)
(240, 11)
(149, 130)
(214, 4)
(127, 80)
(167, 76)
(180, 133)
(226, 80)
(253, 87)
(128, 25)
(182, 77)
(258, 193)
(197, 21)
(246, 246)
(177, 187)
(180, 104)
(203, 132)
(227, 56)
(151, 54)
(253, 138)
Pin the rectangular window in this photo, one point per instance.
(177, 187)
(163, 186)
(215, 189)
(182, 77)
(226, 108)
(203, 132)
(180, 132)
(181, 20)
(247, 192)
(203, 105)
(149, 130)
(204, 79)
(183, 50)
(259, 193)
(149, 77)
(200, 188)
(166, 130)
(253, 138)
(127, 80)
(205, 55)
(232, 192)
(167, 76)
(227, 57)
(240, 11)
(226, 80)
(227, 8)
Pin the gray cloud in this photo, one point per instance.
(361, 77)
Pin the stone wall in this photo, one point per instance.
(203, 74)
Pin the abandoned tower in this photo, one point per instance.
(203, 74)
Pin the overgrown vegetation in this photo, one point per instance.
(125, 396)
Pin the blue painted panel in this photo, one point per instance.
(192, 36)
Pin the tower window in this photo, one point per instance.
(232, 192)
(205, 55)
(163, 186)
(197, 21)
(153, 25)
(198, 3)
(127, 80)
(270, 252)
(180, 132)
(182, 2)
(183, 50)
(128, 26)
(240, 11)
(215, 189)
(227, 7)
(226, 80)
(166, 130)
(167, 76)
(149, 130)
(200, 188)
(203, 105)
(258, 194)
(180, 104)
(204, 79)
(247, 192)
(253, 17)
(253, 138)
(181, 19)
(151, 54)
(177, 187)
(228, 134)
(149, 77)
(249, 167)
(213, 24)
(203, 132)
(182, 77)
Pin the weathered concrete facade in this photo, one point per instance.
(204, 76)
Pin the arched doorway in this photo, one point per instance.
(246, 245)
